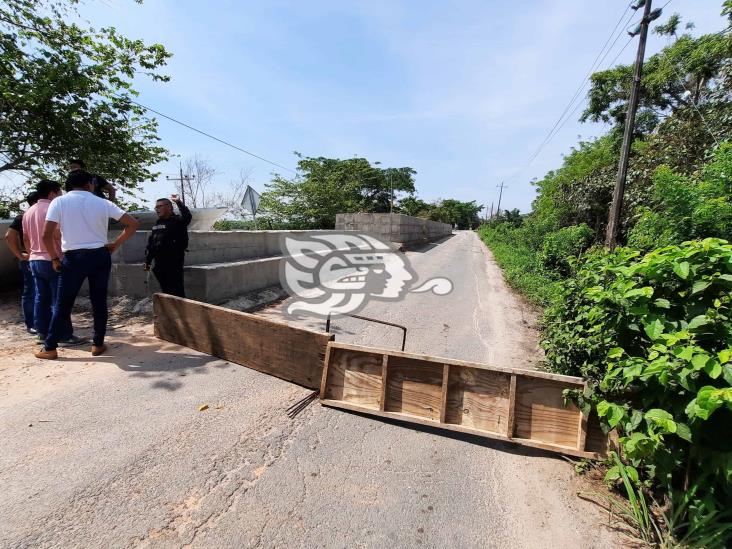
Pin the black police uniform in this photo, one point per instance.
(167, 247)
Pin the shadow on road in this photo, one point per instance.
(423, 248)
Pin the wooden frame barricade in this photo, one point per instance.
(522, 406)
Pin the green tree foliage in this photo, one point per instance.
(325, 187)
(65, 93)
(411, 205)
(684, 208)
(681, 75)
(455, 212)
(563, 245)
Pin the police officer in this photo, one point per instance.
(167, 245)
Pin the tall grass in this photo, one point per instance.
(521, 267)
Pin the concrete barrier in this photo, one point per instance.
(219, 265)
(398, 228)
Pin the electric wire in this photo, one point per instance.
(211, 136)
(581, 87)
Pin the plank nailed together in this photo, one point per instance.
(274, 348)
(522, 406)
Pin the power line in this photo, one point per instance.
(211, 136)
(598, 60)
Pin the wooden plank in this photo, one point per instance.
(541, 414)
(354, 377)
(384, 373)
(509, 404)
(414, 387)
(582, 432)
(445, 387)
(511, 426)
(478, 398)
(407, 418)
(324, 376)
(275, 348)
(570, 380)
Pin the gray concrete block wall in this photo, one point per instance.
(397, 228)
(219, 264)
(205, 247)
(209, 283)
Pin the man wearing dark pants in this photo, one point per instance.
(167, 245)
(14, 238)
(83, 219)
(44, 275)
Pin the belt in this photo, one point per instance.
(82, 251)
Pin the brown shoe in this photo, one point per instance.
(96, 351)
(47, 355)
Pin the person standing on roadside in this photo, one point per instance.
(101, 186)
(167, 245)
(83, 219)
(44, 275)
(14, 239)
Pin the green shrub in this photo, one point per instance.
(653, 336)
(686, 208)
(560, 245)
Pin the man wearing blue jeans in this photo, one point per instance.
(44, 276)
(83, 219)
(14, 239)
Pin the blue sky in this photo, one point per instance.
(461, 91)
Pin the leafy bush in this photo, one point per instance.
(262, 224)
(685, 208)
(560, 245)
(653, 335)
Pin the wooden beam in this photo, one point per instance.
(445, 385)
(274, 348)
(521, 406)
(511, 424)
(384, 370)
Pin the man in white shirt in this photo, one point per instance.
(83, 219)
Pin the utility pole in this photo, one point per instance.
(491, 217)
(182, 179)
(500, 194)
(611, 234)
(391, 187)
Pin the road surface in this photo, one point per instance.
(115, 453)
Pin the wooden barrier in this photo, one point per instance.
(521, 406)
(274, 348)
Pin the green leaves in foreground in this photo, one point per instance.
(653, 336)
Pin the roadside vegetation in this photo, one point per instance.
(649, 324)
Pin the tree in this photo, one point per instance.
(66, 92)
(411, 205)
(199, 185)
(679, 76)
(327, 186)
(455, 212)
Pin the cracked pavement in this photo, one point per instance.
(113, 452)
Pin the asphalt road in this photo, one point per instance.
(115, 453)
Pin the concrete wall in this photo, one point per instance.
(209, 283)
(219, 264)
(206, 247)
(397, 228)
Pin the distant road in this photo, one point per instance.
(118, 454)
